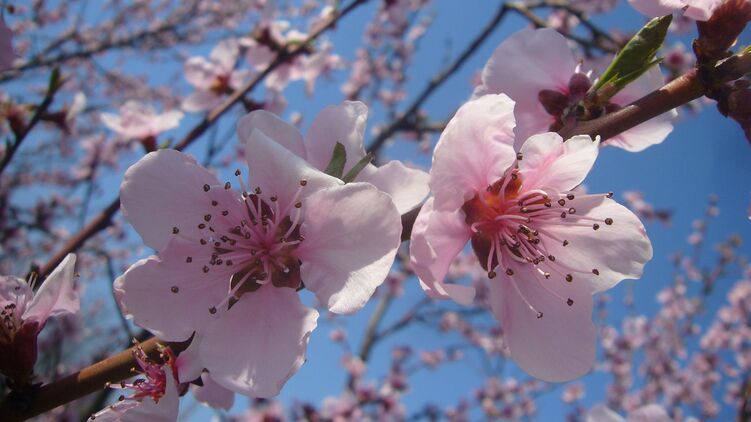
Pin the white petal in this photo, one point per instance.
(57, 295)
(549, 163)
(407, 186)
(275, 128)
(340, 123)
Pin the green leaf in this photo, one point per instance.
(55, 80)
(354, 171)
(634, 60)
(338, 160)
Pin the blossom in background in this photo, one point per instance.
(545, 248)
(213, 78)
(7, 54)
(700, 10)
(344, 124)
(649, 413)
(230, 263)
(538, 70)
(155, 393)
(25, 312)
(140, 121)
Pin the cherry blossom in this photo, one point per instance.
(213, 78)
(7, 54)
(140, 121)
(155, 396)
(538, 70)
(545, 248)
(344, 124)
(25, 313)
(649, 413)
(230, 263)
(700, 10)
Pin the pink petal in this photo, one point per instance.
(437, 237)
(57, 295)
(351, 237)
(266, 332)
(407, 186)
(7, 55)
(188, 362)
(148, 288)
(617, 251)
(651, 132)
(199, 72)
(225, 54)
(213, 394)
(199, 101)
(14, 290)
(527, 62)
(649, 413)
(558, 347)
(340, 123)
(655, 8)
(473, 151)
(275, 128)
(600, 413)
(701, 10)
(549, 163)
(278, 171)
(164, 190)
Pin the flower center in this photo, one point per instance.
(260, 239)
(512, 227)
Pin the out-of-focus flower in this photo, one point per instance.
(538, 70)
(699, 10)
(545, 248)
(140, 121)
(344, 124)
(155, 395)
(229, 264)
(213, 78)
(24, 314)
(649, 413)
(7, 54)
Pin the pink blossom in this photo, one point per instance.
(538, 70)
(7, 54)
(140, 121)
(229, 264)
(545, 248)
(344, 124)
(213, 78)
(700, 10)
(24, 314)
(649, 413)
(155, 396)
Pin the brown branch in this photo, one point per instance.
(404, 120)
(84, 382)
(104, 219)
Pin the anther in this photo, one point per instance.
(257, 191)
(189, 260)
(539, 315)
(174, 289)
(303, 182)
(205, 269)
(609, 221)
(229, 262)
(572, 210)
(201, 226)
(519, 156)
(609, 195)
(547, 276)
(225, 213)
(203, 241)
(563, 214)
(569, 302)
(561, 202)
(212, 310)
(298, 204)
(565, 243)
(595, 226)
(227, 186)
(570, 197)
(237, 172)
(207, 218)
(175, 230)
(491, 274)
(525, 209)
(595, 271)
(569, 278)
(206, 188)
(509, 272)
(214, 203)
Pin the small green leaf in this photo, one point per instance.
(338, 160)
(354, 171)
(634, 60)
(55, 80)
